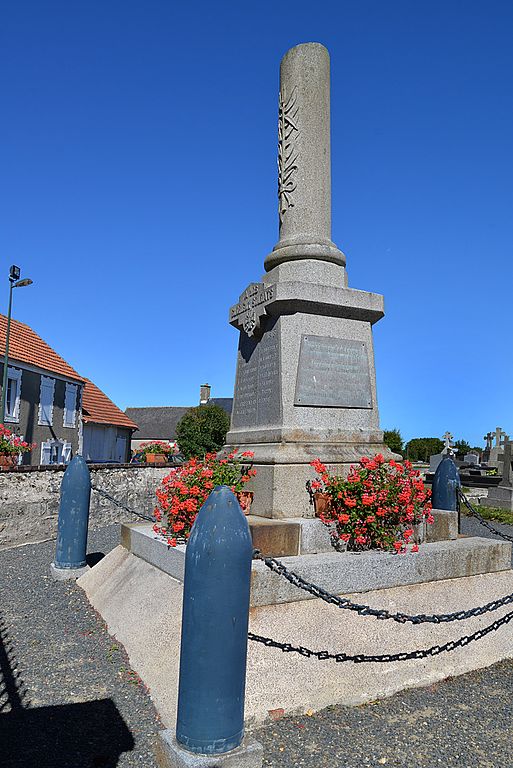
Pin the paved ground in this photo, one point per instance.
(69, 698)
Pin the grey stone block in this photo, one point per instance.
(314, 537)
(445, 526)
(139, 539)
(170, 754)
(342, 572)
(350, 572)
(500, 497)
(66, 574)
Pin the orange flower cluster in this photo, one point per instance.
(183, 492)
(378, 505)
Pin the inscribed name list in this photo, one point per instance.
(333, 373)
(257, 399)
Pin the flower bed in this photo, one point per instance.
(380, 505)
(185, 489)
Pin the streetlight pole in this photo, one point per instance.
(15, 282)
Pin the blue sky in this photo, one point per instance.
(138, 156)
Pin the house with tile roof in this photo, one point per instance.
(159, 422)
(49, 403)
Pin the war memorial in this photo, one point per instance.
(306, 388)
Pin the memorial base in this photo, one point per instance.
(305, 387)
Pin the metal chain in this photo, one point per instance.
(481, 519)
(367, 610)
(362, 658)
(120, 504)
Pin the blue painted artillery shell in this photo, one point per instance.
(215, 615)
(73, 515)
(445, 483)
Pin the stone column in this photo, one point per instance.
(304, 159)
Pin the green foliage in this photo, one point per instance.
(392, 438)
(461, 447)
(492, 513)
(202, 430)
(421, 448)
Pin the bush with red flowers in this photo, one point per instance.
(380, 505)
(185, 489)
(12, 444)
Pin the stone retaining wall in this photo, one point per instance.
(29, 500)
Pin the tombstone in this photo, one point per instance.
(502, 495)
(486, 453)
(305, 384)
(434, 461)
(471, 458)
(500, 438)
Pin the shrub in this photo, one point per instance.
(183, 492)
(202, 430)
(393, 440)
(421, 448)
(378, 506)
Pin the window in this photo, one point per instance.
(70, 402)
(12, 397)
(55, 452)
(46, 393)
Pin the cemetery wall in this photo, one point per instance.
(29, 500)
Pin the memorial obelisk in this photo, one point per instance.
(305, 384)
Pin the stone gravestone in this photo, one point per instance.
(486, 453)
(305, 384)
(502, 495)
(500, 438)
(471, 458)
(436, 458)
(434, 461)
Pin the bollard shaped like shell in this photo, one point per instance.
(73, 516)
(215, 615)
(445, 484)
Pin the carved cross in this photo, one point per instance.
(499, 437)
(448, 442)
(489, 440)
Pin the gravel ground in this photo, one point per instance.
(68, 696)
(76, 702)
(464, 721)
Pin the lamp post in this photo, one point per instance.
(15, 282)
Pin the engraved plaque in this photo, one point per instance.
(257, 400)
(333, 373)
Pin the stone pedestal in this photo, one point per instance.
(170, 754)
(306, 384)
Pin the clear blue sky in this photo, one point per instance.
(138, 157)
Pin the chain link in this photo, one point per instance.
(367, 610)
(362, 658)
(120, 504)
(480, 518)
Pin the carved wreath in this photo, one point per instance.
(288, 153)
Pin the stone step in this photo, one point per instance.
(340, 572)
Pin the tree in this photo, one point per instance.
(461, 447)
(421, 448)
(392, 438)
(202, 430)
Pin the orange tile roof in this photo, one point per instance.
(27, 347)
(97, 408)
